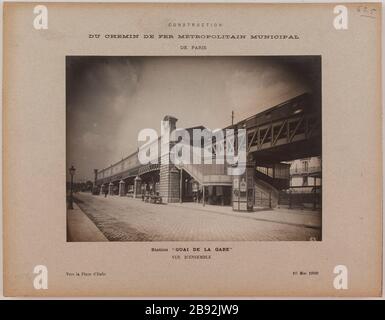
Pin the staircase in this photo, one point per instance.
(267, 188)
(208, 174)
(266, 195)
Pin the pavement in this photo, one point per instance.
(81, 228)
(127, 219)
(304, 218)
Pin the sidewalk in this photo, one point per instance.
(295, 217)
(125, 219)
(81, 228)
(302, 218)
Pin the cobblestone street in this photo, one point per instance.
(127, 219)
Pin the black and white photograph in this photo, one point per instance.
(194, 148)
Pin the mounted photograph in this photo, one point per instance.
(193, 148)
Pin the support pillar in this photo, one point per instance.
(290, 199)
(111, 189)
(270, 204)
(315, 194)
(244, 188)
(122, 187)
(180, 185)
(94, 186)
(169, 179)
(137, 187)
(203, 194)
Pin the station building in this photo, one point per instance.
(276, 140)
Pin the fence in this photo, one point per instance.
(301, 197)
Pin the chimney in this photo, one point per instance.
(171, 122)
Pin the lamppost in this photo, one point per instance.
(72, 173)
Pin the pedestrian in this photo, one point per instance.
(105, 193)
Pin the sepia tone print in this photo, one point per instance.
(275, 102)
(186, 161)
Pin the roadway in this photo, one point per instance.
(127, 219)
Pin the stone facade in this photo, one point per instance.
(169, 180)
(169, 175)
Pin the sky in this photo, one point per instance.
(110, 99)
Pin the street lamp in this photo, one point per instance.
(72, 173)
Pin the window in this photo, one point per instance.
(305, 166)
